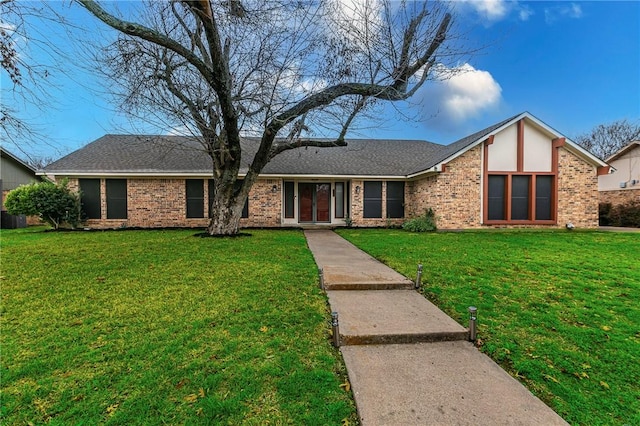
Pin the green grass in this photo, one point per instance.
(161, 327)
(558, 310)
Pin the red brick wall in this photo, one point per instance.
(577, 191)
(454, 194)
(622, 196)
(161, 203)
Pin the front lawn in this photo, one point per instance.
(559, 310)
(161, 327)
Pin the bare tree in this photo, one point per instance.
(26, 81)
(287, 72)
(604, 140)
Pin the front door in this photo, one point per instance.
(315, 202)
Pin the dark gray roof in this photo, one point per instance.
(142, 154)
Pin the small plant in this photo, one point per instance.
(348, 221)
(53, 203)
(424, 223)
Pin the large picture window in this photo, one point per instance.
(372, 199)
(116, 198)
(195, 198)
(90, 198)
(520, 198)
(395, 199)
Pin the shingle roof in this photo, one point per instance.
(140, 154)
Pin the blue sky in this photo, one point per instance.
(574, 65)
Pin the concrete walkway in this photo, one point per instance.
(408, 362)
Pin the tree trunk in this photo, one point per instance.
(225, 213)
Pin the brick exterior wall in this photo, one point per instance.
(454, 194)
(161, 203)
(577, 191)
(265, 205)
(357, 206)
(622, 196)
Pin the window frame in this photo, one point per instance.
(194, 198)
(370, 200)
(532, 199)
(390, 201)
(111, 199)
(88, 197)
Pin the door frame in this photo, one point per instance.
(314, 201)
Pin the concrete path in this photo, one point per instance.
(408, 362)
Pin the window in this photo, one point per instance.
(496, 197)
(195, 197)
(90, 198)
(289, 199)
(339, 200)
(116, 198)
(544, 190)
(372, 199)
(212, 190)
(531, 198)
(395, 199)
(520, 197)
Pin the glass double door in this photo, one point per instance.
(315, 202)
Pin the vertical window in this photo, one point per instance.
(195, 197)
(339, 200)
(90, 198)
(544, 189)
(372, 199)
(211, 190)
(520, 197)
(289, 199)
(395, 199)
(116, 198)
(496, 197)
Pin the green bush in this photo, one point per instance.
(626, 215)
(54, 203)
(424, 223)
(604, 210)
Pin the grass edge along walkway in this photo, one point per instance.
(557, 310)
(149, 327)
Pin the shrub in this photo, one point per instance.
(604, 210)
(627, 215)
(54, 203)
(424, 223)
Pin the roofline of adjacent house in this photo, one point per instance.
(18, 160)
(623, 151)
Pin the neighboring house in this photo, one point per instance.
(623, 185)
(519, 172)
(13, 173)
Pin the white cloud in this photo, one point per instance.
(553, 14)
(524, 13)
(493, 10)
(459, 94)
